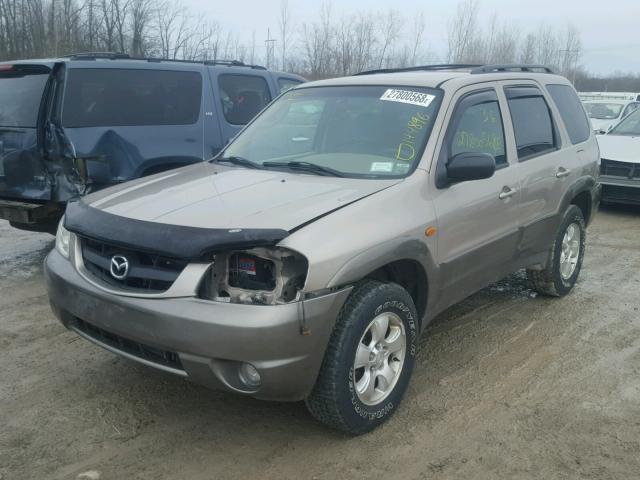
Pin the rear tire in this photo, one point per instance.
(369, 359)
(565, 261)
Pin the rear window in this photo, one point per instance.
(121, 97)
(20, 98)
(571, 112)
(532, 122)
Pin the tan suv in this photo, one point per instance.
(303, 262)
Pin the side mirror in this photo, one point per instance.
(470, 166)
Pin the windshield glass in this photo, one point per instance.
(357, 131)
(603, 111)
(20, 100)
(629, 126)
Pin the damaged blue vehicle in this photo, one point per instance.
(74, 125)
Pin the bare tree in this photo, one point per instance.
(284, 23)
(462, 31)
(390, 25)
(417, 35)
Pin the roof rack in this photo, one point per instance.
(443, 66)
(474, 68)
(98, 55)
(125, 56)
(509, 67)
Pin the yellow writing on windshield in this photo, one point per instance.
(407, 147)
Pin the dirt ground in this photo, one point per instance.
(507, 385)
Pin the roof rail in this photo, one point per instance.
(508, 67)
(125, 56)
(233, 63)
(443, 66)
(98, 55)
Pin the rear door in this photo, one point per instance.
(23, 174)
(547, 165)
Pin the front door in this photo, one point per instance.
(477, 220)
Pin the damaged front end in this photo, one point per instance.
(260, 276)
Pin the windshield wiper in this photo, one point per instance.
(243, 162)
(305, 166)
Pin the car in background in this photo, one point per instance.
(584, 96)
(620, 162)
(604, 114)
(71, 126)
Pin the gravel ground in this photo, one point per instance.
(507, 385)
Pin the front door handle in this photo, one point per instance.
(562, 172)
(507, 192)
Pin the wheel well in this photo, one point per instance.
(583, 202)
(410, 275)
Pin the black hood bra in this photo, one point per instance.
(175, 241)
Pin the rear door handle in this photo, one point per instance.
(562, 172)
(507, 192)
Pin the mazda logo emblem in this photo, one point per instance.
(119, 267)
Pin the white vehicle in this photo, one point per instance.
(604, 114)
(584, 96)
(620, 162)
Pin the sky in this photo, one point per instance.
(610, 30)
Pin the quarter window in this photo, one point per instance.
(532, 122)
(243, 96)
(571, 111)
(480, 131)
(125, 97)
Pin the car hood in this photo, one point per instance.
(602, 124)
(215, 196)
(620, 147)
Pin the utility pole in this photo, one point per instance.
(270, 44)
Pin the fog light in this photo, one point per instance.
(249, 375)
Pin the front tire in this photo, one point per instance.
(565, 262)
(369, 359)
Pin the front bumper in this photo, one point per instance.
(620, 189)
(208, 339)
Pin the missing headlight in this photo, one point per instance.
(260, 276)
(251, 272)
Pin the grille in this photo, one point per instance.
(619, 169)
(147, 272)
(140, 350)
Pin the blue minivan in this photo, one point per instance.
(74, 125)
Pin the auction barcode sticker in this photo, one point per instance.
(408, 96)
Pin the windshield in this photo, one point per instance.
(603, 111)
(356, 131)
(20, 98)
(629, 126)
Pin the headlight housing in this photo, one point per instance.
(62, 239)
(260, 276)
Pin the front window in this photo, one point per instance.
(355, 131)
(630, 126)
(603, 111)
